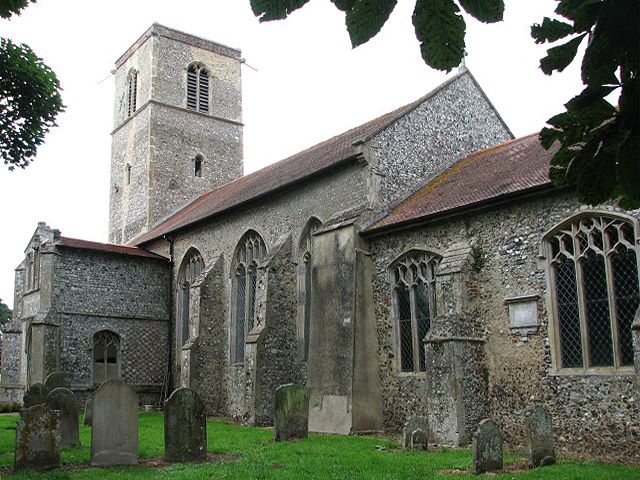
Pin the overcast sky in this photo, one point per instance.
(308, 85)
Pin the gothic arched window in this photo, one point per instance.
(197, 166)
(305, 288)
(593, 267)
(106, 356)
(198, 88)
(250, 251)
(192, 266)
(132, 92)
(413, 279)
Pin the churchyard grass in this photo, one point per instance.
(251, 453)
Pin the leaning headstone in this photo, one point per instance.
(63, 400)
(542, 448)
(185, 427)
(291, 420)
(55, 380)
(88, 411)
(415, 423)
(36, 394)
(487, 447)
(37, 439)
(114, 432)
(419, 440)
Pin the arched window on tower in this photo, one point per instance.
(106, 356)
(305, 287)
(132, 92)
(191, 267)
(593, 273)
(414, 298)
(198, 88)
(250, 251)
(197, 164)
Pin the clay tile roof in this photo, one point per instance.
(284, 173)
(504, 170)
(107, 247)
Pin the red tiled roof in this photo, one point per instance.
(286, 172)
(107, 247)
(512, 167)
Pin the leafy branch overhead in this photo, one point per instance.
(599, 144)
(439, 24)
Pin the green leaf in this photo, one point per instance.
(600, 64)
(30, 94)
(268, 10)
(548, 136)
(344, 5)
(558, 58)
(550, 30)
(440, 28)
(12, 7)
(588, 97)
(366, 18)
(583, 13)
(487, 11)
(597, 176)
(629, 173)
(629, 106)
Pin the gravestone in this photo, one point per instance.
(37, 439)
(63, 400)
(36, 394)
(291, 419)
(415, 423)
(55, 380)
(542, 449)
(114, 432)
(487, 447)
(185, 427)
(88, 411)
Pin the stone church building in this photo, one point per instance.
(421, 263)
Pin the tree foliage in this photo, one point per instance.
(599, 144)
(599, 150)
(5, 313)
(30, 97)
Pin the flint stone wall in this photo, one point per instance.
(596, 414)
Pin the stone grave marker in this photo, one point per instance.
(36, 394)
(415, 423)
(542, 448)
(419, 440)
(88, 411)
(37, 439)
(291, 419)
(487, 447)
(114, 432)
(185, 427)
(55, 380)
(63, 400)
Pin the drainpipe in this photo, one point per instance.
(170, 338)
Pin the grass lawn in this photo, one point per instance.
(250, 453)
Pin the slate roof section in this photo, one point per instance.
(499, 172)
(275, 177)
(107, 247)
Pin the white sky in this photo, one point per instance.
(309, 85)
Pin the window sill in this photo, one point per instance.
(412, 374)
(30, 291)
(600, 372)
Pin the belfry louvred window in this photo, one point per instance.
(132, 92)
(198, 88)
(249, 252)
(413, 279)
(595, 292)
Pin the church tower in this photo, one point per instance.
(177, 127)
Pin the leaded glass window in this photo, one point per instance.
(595, 288)
(191, 267)
(413, 278)
(106, 356)
(198, 88)
(251, 250)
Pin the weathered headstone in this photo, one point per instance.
(291, 420)
(63, 400)
(114, 433)
(419, 440)
(36, 394)
(55, 380)
(185, 427)
(487, 447)
(37, 439)
(542, 448)
(88, 411)
(413, 424)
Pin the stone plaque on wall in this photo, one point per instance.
(523, 314)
